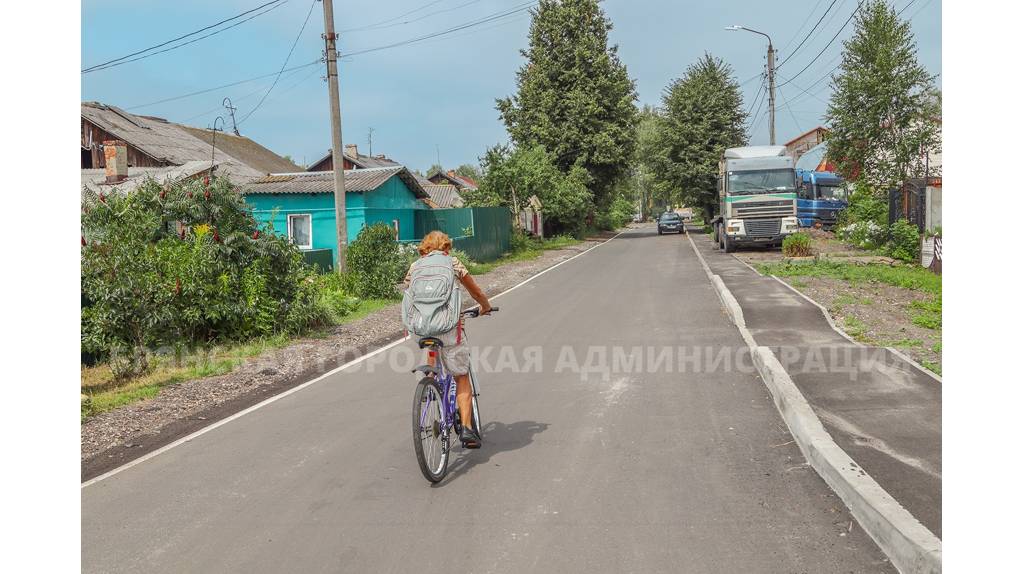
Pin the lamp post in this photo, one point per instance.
(771, 80)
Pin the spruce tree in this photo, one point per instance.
(702, 115)
(574, 97)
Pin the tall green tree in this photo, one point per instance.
(884, 109)
(574, 96)
(702, 116)
(512, 175)
(469, 170)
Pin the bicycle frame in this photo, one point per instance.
(448, 404)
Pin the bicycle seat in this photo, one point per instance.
(430, 342)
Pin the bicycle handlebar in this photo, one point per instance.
(475, 312)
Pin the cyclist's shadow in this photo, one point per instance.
(498, 437)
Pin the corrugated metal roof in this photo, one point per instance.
(444, 195)
(362, 161)
(356, 180)
(164, 140)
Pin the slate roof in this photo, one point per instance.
(362, 161)
(444, 195)
(166, 141)
(246, 150)
(94, 180)
(356, 180)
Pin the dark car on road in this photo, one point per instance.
(670, 222)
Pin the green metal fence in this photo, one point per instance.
(322, 259)
(484, 233)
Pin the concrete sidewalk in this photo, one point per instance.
(885, 412)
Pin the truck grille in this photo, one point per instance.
(762, 227)
(778, 208)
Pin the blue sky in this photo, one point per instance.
(437, 97)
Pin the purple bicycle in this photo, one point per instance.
(435, 413)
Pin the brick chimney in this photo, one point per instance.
(115, 158)
(352, 150)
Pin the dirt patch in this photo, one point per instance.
(876, 314)
(824, 244)
(112, 438)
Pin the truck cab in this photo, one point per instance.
(820, 197)
(757, 189)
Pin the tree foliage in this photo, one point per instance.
(470, 171)
(512, 175)
(702, 115)
(574, 96)
(376, 263)
(884, 108)
(182, 264)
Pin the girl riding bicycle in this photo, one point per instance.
(455, 351)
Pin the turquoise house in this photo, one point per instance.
(301, 205)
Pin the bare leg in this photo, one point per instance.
(464, 398)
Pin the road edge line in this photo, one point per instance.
(910, 546)
(308, 383)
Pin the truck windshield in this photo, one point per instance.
(832, 192)
(761, 181)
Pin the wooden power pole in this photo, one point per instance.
(337, 150)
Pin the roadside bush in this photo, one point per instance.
(864, 234)
(796, 245)
(613, 216)
(376, 262)
(184, 264)
(864, 206)
(334, 297)
(904, 241)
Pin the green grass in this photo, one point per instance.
(856, 328)
(106, 394)
(927, 314)
(907, 276)
(937, 347)
(533, 250)
(933, 367)
(904, 343)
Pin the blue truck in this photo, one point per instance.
(821, 195)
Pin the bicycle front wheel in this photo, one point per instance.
(429, 435)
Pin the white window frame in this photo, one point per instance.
(292, 216)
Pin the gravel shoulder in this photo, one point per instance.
(115, 437)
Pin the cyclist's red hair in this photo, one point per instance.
(435, 241)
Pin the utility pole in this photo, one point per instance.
(771, 79)
(337, 151)
(771, 93)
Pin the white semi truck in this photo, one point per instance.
(756, 197)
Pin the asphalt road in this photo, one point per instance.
(647, 469)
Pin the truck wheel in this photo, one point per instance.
(727, 245)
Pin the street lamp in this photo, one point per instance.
(771, 79)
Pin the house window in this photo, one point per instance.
(300, 230)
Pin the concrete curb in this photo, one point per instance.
(910, 546)
(919, 366)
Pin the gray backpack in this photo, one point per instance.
(431, 305)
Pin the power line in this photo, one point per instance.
(760, 92)
(463, 26)
(125, 59)
(809, 64)
(385, 26)
(399, 17)
(285, 64)
(811, 31)
(802, 24)
(785, 103)
(208, 90)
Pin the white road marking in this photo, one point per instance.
(298, 388)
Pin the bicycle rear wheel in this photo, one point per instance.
(430, 437)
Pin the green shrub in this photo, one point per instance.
(376, 262)
(796, 245)
(864, 206)
(904, 241)
(618, 213)
(184, 264)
